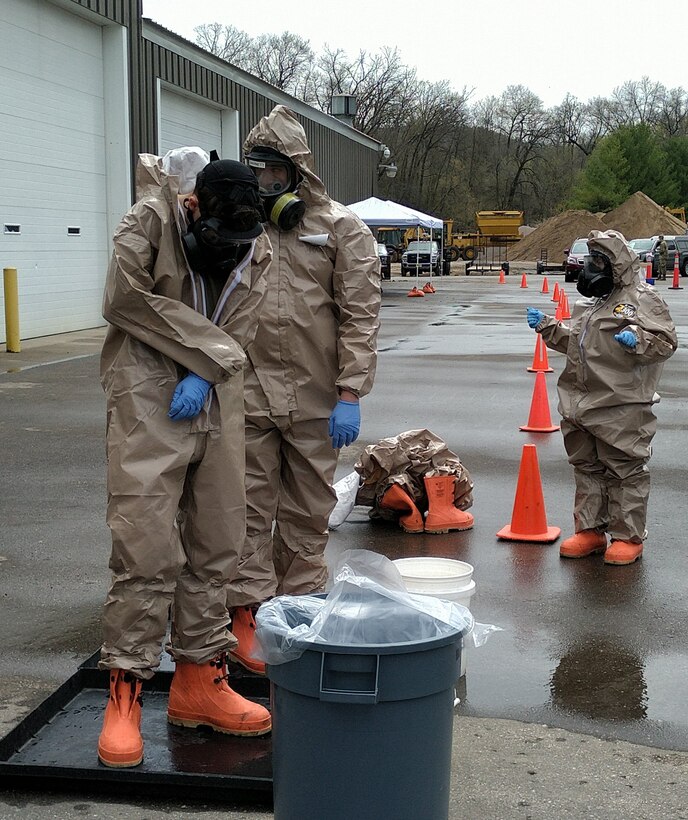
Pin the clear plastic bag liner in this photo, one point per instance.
(368, 605)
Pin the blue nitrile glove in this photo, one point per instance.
(188, 397)
(627, 338)
(345, 423)
(534, 317)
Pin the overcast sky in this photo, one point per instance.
(586, 47)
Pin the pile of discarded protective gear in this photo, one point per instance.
(415, 479)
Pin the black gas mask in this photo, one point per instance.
(596, 279)
(231, 216)
(278, 178)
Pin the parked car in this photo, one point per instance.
(421, 256)
(575, 256)
(385, 261)
(646, 248)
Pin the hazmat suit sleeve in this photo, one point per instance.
(167, 325)
(655, 331)
(356, 281)
(242, 324)
(554, 334)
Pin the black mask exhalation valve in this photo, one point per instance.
(596, 279)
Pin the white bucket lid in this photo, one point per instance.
(434, 574)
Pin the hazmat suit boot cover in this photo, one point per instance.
(396, 498)
(583, 543)
(201, 696)
(244, 630)
(442, 515)
(623, 552)
(120, 744)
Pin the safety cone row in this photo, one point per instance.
(677, 273)
(529, 518)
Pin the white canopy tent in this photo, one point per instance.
(384, 213)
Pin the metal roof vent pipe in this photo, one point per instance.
(343, 107)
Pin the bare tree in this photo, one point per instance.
(283, 60)
(227, 42)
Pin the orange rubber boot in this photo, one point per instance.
(396, 498)
(244, 630)
(442, 515)
(120, 743)
(623, 552)
(583, 543)
(200, 696)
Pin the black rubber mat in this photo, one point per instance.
(55, 746)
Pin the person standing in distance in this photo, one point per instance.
(619, 337)
(311, 362)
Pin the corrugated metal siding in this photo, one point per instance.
(346, 167)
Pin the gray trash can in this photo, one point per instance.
(364, 732)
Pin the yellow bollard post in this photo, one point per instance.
(9, 276)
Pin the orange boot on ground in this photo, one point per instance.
(200, 696)
(244, 630)
(442, 515)
(396, 498)
(623, 552)
(120, 743)
(583, 543)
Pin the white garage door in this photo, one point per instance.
(186, 121)
(52, 151)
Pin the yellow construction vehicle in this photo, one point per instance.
(494, 228)
(679, 213)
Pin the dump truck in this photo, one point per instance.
(494, 228)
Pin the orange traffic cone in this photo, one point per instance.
(415, 292)
(428, 288)
(529, 519)
(555, 294)
(557, 312)
(539, 420)
(502, 277)
(565, 310)
(675, 285)
(545, 286)
(524, 281)
(540, 361)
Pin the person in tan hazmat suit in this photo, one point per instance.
(615, 347)
(313, 358)
(183, 292)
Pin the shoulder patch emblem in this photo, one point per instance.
(627, 311)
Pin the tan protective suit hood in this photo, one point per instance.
(625, 262)
(283, 132)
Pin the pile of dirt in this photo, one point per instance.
(555, 235)
(641, 216)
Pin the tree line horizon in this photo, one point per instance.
(456, 156)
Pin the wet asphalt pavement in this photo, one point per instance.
(586, 647)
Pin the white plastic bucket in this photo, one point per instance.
(444, 578)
